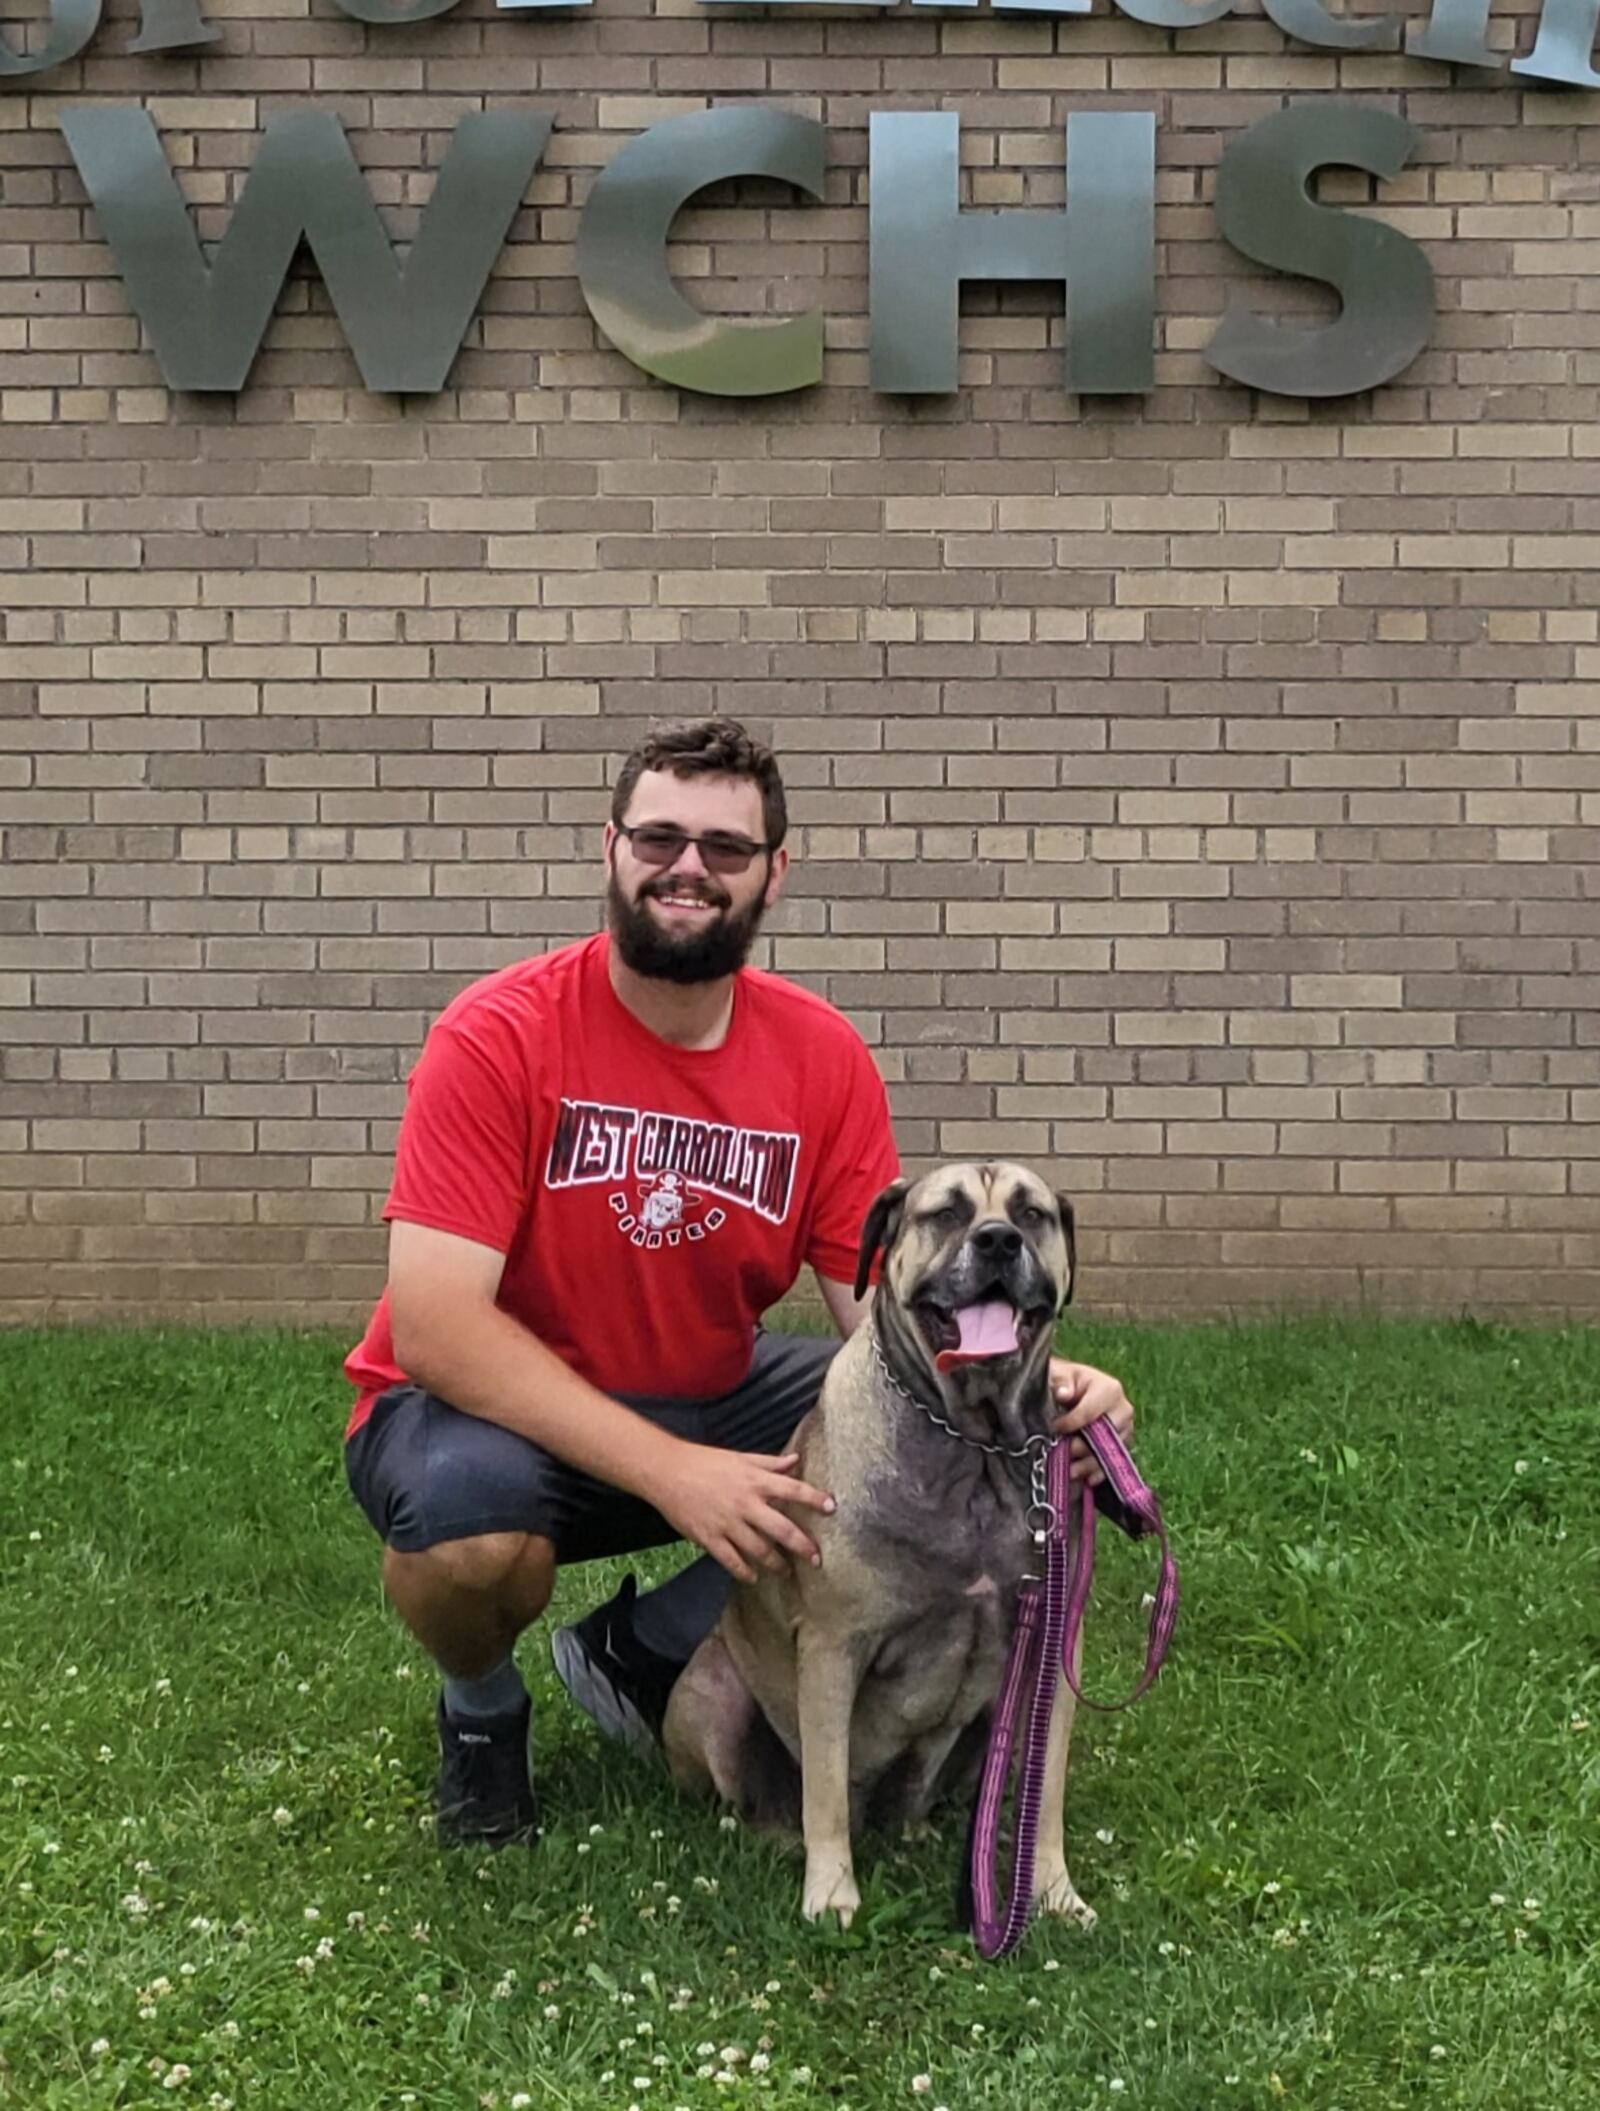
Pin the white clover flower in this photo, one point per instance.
(1437, 2052)
(728, 1824)
(325, 1949)
(921, 2084)
(230, 2029)
(1519, 1466)
(105, 1755)
(175, 2076)
(305, 1964)
(313, 1913)
(1053, 1964)
(521, 2101)
(99, 2049)
(163, 1687)
(144, 1868)
(800, 2074)
(551, 2012)
(760, 2062)
(355, 1920)
(282, 1817)
(135, 1905)
(51, 1847)
(1271, 1890)
(422, 2001)
(1116, 2085)
(1105, 1836)
(1497, 1898)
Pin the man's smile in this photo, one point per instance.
(683, 903)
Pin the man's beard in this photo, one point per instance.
(706, 955)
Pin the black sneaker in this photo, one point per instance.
(484, 1791)
(619, 1682)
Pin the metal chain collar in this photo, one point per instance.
(1041, 1511)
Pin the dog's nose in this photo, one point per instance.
(997, 1242)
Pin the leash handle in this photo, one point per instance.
(1029, 1681)
(1140, 1501)
(1049, 1623)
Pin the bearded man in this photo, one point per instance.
(614, 1159)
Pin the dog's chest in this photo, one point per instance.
(946, 1523)
(946, 1535)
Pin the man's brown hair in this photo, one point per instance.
(707, 747)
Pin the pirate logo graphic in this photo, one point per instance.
(667, 1214)
(666, 1201)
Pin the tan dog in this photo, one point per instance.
(856, 1692)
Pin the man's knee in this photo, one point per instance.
(494, 1564)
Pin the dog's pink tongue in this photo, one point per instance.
(989, 1329)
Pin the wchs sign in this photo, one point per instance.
(406, 322)
(206, 316)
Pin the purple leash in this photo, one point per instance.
(1049, 1623)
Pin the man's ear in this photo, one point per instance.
(881, 1230)
(1069, 1231)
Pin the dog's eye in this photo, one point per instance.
(1033, 1215)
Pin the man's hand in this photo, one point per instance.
(726, 1502)
(1087, 1394)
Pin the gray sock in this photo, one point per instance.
(498, 1692)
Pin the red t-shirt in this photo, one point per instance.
(651, 1201)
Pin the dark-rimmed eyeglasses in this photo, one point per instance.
(659, 843)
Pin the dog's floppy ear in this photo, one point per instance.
(1069, 1231)
(881, 1230)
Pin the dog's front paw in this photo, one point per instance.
(1054, 1892)
(831, 1888)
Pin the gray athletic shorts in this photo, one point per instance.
(425, 1472)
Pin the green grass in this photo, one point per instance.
(1344, 1856)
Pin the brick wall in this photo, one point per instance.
(1197, 794)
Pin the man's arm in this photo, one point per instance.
(846, 1310)
(452, 1338)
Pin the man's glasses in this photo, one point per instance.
(657, 843)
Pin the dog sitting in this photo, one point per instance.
(857, 1693)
